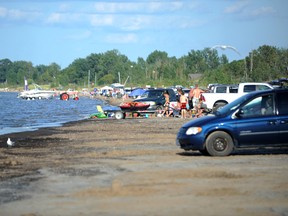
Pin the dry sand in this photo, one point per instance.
(133, 167)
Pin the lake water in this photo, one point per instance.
(17, 115)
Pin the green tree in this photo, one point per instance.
(4, 68)
(18, 70)
(263, 64)
(107, 79)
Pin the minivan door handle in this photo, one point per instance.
(283, 121)
(272, 122)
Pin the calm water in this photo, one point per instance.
(17, 115)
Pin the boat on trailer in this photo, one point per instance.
(36, 93)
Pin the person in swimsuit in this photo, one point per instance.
(166, 104)
(183, 102)
(196, 94)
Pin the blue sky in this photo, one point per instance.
(60, 31)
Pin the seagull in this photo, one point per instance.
(10, 143)
(224, 47)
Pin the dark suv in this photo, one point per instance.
(156, 98)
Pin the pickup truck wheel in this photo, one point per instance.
(219, 143)
(218, 106)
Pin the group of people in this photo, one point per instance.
(186, 105)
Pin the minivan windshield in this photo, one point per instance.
(234, 105)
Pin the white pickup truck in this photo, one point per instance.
(214, 101)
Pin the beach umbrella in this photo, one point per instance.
(136, 92)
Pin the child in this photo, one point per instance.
(183, 101)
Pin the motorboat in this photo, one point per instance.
(134, 106)
(36, 93)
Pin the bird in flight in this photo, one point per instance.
(224, 47)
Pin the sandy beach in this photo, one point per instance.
(133, 167)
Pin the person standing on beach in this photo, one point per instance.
(167, 103)
(190, 98)
(196, 94)
(183, 102)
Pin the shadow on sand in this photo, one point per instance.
(242, 152)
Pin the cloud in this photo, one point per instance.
(15, 14)
(238, 7)
(124, 16)
(55, 18)
(136, 7)
(244, 10)
(64, 7)
(3, 12)
(135, 22)
(80, 36)
(121, 38)
(113, 7)
(263, 11)
(102, 20)
(64, 18)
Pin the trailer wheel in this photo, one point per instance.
(64, 96)
(119, 115)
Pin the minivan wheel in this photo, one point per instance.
(219, 143)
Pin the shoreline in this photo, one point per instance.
(6, 131)
(51, 137)
(39, 131)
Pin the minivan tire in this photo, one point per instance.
(219, 143)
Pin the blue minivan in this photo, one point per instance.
(257, 119)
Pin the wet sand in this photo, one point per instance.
(133, 167)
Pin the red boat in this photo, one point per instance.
(133, 106)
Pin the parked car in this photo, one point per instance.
(156, 99)
(257, 119)
(215, 101)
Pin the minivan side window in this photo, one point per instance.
(282, 103)
(259, 106)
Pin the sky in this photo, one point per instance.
(61, 31)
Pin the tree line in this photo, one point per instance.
(203, 66)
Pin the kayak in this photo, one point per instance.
(133, 106)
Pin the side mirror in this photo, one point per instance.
(240, 113)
